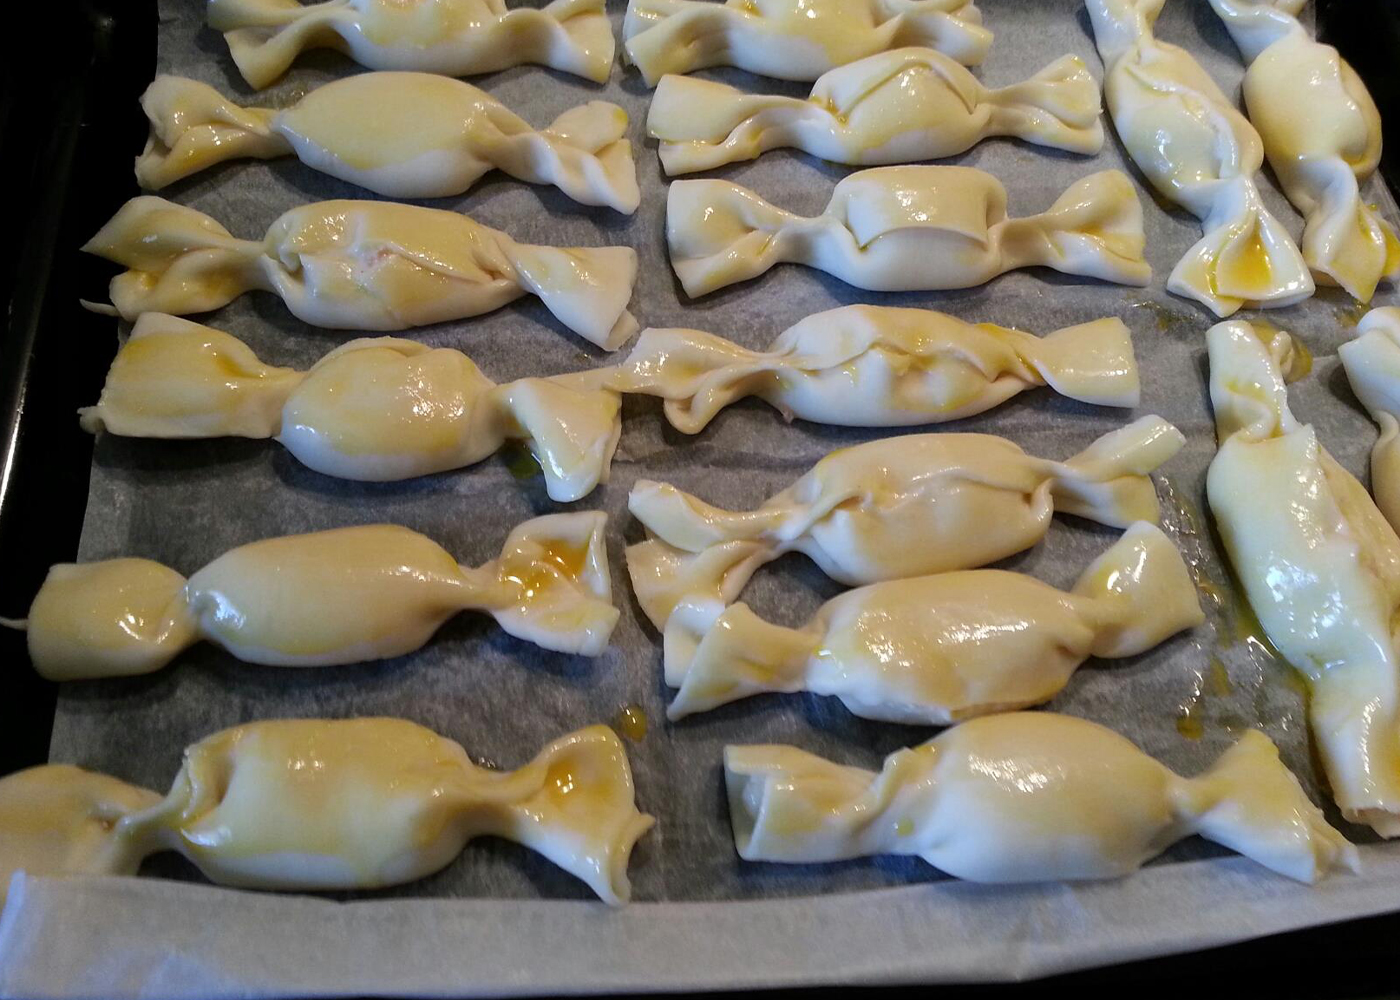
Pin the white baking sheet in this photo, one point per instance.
(502, 920)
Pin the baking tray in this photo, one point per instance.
(54, 353)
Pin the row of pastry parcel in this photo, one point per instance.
(926, 635)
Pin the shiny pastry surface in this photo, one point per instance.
(376, 409)
(324, 598)
(895, 107)
(900, 229)
(889, 509)
(1320, 565)
(1027, 797)
(451, 37)
(793, 39)
(932, 650)
(330, 804)
(405, 135)
(1199, 152)
(361, 265)
(880, 366)
(1322, 135)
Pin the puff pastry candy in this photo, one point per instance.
(889, 509)
(330, 804)
(361, 265)
(376, 409)
(1027, 797)
(405, 135)
(1372, 363)
(880, 366)
(894, 107)
(451, 37)
(1197, 151)
(325, 598)
(793, 39)
(901, 229)
(938, 649)
(1321, 568)
(1322, 135)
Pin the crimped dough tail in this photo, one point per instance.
(1108, 481)
(1092, 362)
(1143, 578)
(1093, 229)
(720, 233)
(1058, 107)
(556, 568)
(179, 260)
(586, 288)
(1346, 242)
(1250, 802)
(734, 656)
(1245, 258)
(193, 127)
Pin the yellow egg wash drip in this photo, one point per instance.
(521, 461)
(631, 722)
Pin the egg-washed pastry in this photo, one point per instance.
(932, 650)
(376, 409)
(793, 39)
(361, 265)
(1198, 151)
(880, 366)
(405, 135)
(329, 597)
(903, 229)
(1322, 135)
(1320, 566)
(893, 107)
(1027, 797)
(1372, 363)
(326, 804)
(451, 37)
(889, 509)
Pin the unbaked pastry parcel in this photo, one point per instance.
(375, 409)
(1322, 135)
(1027, 797)
(880, 366)
(897, 507)
(1319, 564)
(361, 265)
(931, 650)
(404, 135)
(901, 229)
(329, 597)
(451, 37)
(894, 107)
(330, 804)
(1372, 364)
(1197, 150)
(793, 39)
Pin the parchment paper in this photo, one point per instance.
(503, 920)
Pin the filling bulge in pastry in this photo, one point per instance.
(932, 650)
(376, 409)
(1372, 363)
(894, 107)
(793, 39)
(324, 598)
(405, 135)
(1321, 568)
(880, 366)
(1322, 135)
(330, 804)
(1027, 797)
(900, 229)
(361, 265)
(890, 509)
(1198, 151)
(451, 37)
